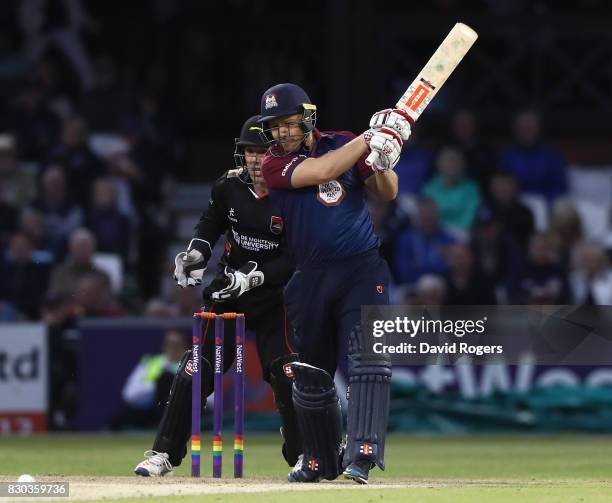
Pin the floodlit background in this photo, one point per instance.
(115, 118)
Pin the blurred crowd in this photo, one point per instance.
(86, 160)
(84, 233)
(479, 225)
(85, 222)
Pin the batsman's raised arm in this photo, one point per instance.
(316, 170)
(383, 185)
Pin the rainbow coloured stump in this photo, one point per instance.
(218, 398)
(239, 387)
(239, 377)
(196, 397)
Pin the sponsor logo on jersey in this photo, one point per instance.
(380, 288)
(231, 215)
(290, 163)
(271, 101)
(276, 224)
(253, 243)
(331, 193)
(288, 370)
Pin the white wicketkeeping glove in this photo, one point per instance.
(240, 281)
(189, 266)
(392, 118)
(386, 146)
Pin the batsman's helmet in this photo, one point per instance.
(288, 99)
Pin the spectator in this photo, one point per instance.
(8, 221)
(32, 224)
(538, 168)
(388, 222)
(159, 308)
(186, 301)
(456, 196)
(61, 216)
(66, 276)
(591, 276)
(24, 281)
(35, 125)
(57, 23)
(430, 290)
(479, 157)
(59, 316)
(566, 229)
(144, 168)
(414, 167)
(82, 166)
(466, 285)
(422, 249)
(17, 179)
(148, 385)
(93, 297)
(499, 258)
(515, 217)
(58, 312)
(103, 106)
(109, 225)
(544, 280)
(157, 127)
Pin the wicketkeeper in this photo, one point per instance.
(251, 276)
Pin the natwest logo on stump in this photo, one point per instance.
(331, 193)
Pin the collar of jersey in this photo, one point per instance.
(318, 136)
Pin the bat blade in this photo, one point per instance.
(437, 70)
(434, 74)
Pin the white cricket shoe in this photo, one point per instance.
(156, 465)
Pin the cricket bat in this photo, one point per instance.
(434, 74)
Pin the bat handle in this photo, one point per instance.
(372, 158)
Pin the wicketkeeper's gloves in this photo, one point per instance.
(191, 264)
(240, 281)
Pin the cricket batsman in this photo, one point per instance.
(319, 182)
(252, 273)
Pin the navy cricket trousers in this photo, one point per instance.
(324, 304)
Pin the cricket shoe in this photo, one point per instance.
(156, 464)
(305, 471)
(358, 471)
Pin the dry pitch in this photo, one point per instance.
(419, 469)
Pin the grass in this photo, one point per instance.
(520, 468)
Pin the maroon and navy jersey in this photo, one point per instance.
(328, 222)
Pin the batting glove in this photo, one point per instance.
(392, 118)
(386, 147)
(240, 281)
(189, 266)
